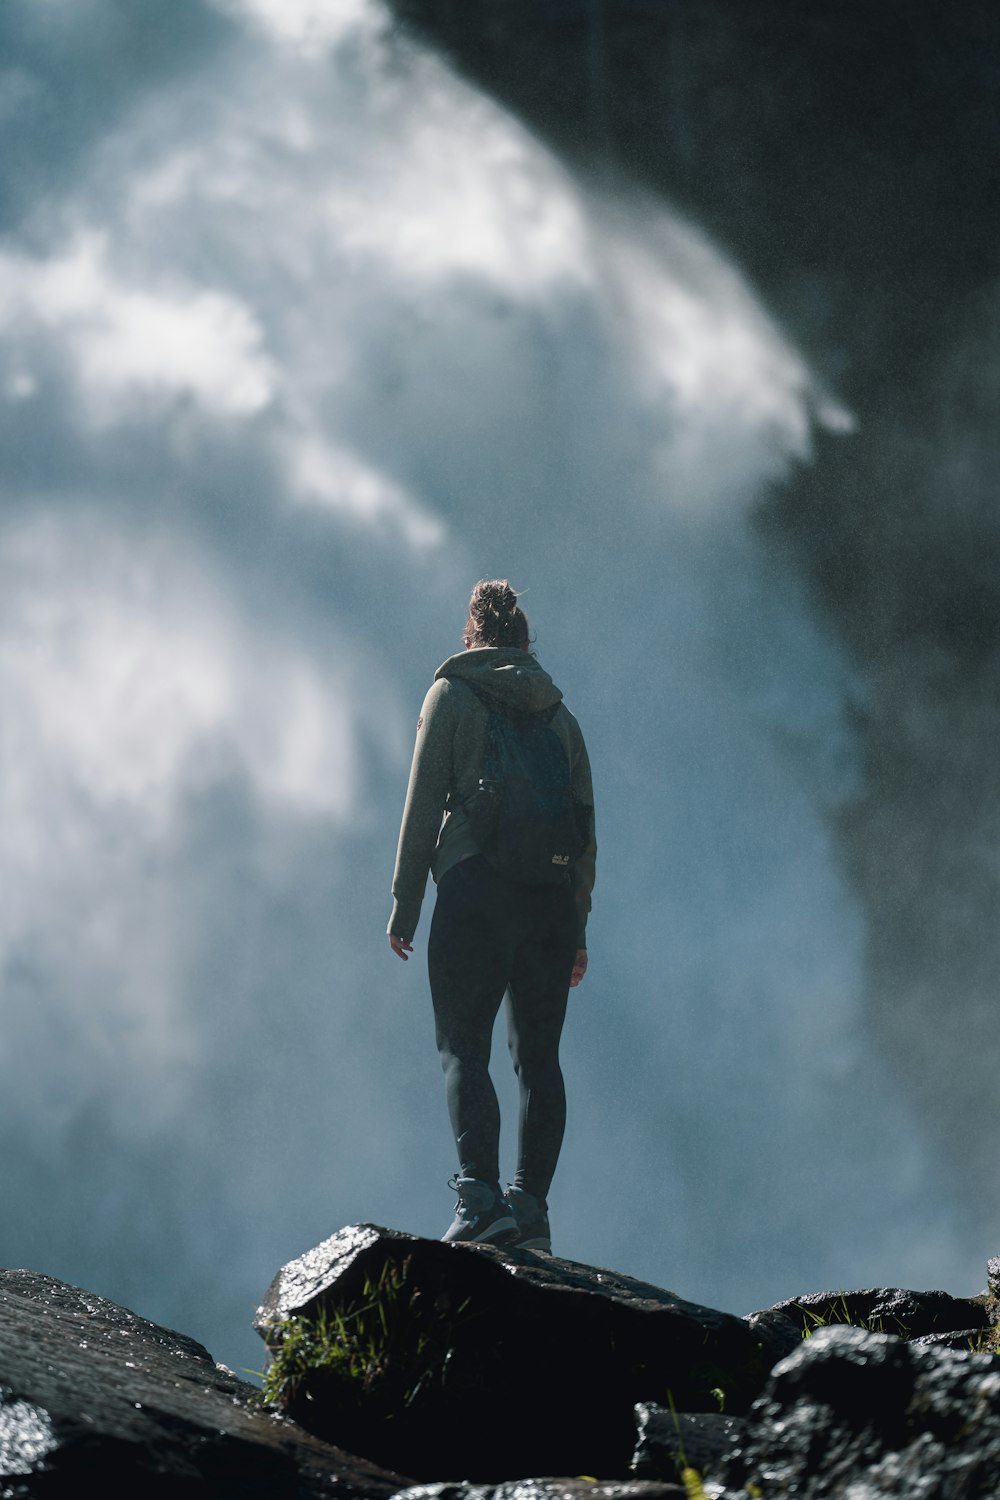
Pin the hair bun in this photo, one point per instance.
(495, 596)
(495, 617)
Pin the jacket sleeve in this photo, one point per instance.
(430, 779)
(585, 869)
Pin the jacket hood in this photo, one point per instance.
(508, 674)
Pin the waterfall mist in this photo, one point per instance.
(314, 336)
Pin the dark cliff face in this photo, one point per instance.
(848, 159)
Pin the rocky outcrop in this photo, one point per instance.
(463, 1372)
(870, 1391)
(959, 1322)
(95, 1399)
(872, 1415)
(551, 1353)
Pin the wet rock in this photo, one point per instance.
(993, 1275)
(547, 1489)
(94, 1397)
(892, 1310)
(550, 1353)
(778, 1334)
(872, 1415)
(966, 1340)
(668, 1442)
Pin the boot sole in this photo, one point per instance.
(500, 1229)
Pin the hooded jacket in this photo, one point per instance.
(447, 762)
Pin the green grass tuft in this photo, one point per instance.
(837, 1312)
(386, 1347)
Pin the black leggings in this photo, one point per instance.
(487, 937)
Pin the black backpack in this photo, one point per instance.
(522, 814)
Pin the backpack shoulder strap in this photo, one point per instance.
(492, 707)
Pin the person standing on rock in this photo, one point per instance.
(501, 759)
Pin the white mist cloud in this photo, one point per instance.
(392, 239)
(702, 347)
(129, 673)
(447, 186)
(132, 683)
(334, 479)
(309, 26)
(125, 342)
(444, 190)
(400, 226)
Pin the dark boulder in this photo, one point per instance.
(549, 1353)
(868, 1413)
(669, 1442)
(892, 1310)
(93, 1398)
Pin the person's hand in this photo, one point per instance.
(579, 968)
(400, 946)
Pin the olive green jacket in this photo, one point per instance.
(447, 761)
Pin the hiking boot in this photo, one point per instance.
(480, 1213)
(532, 1218)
